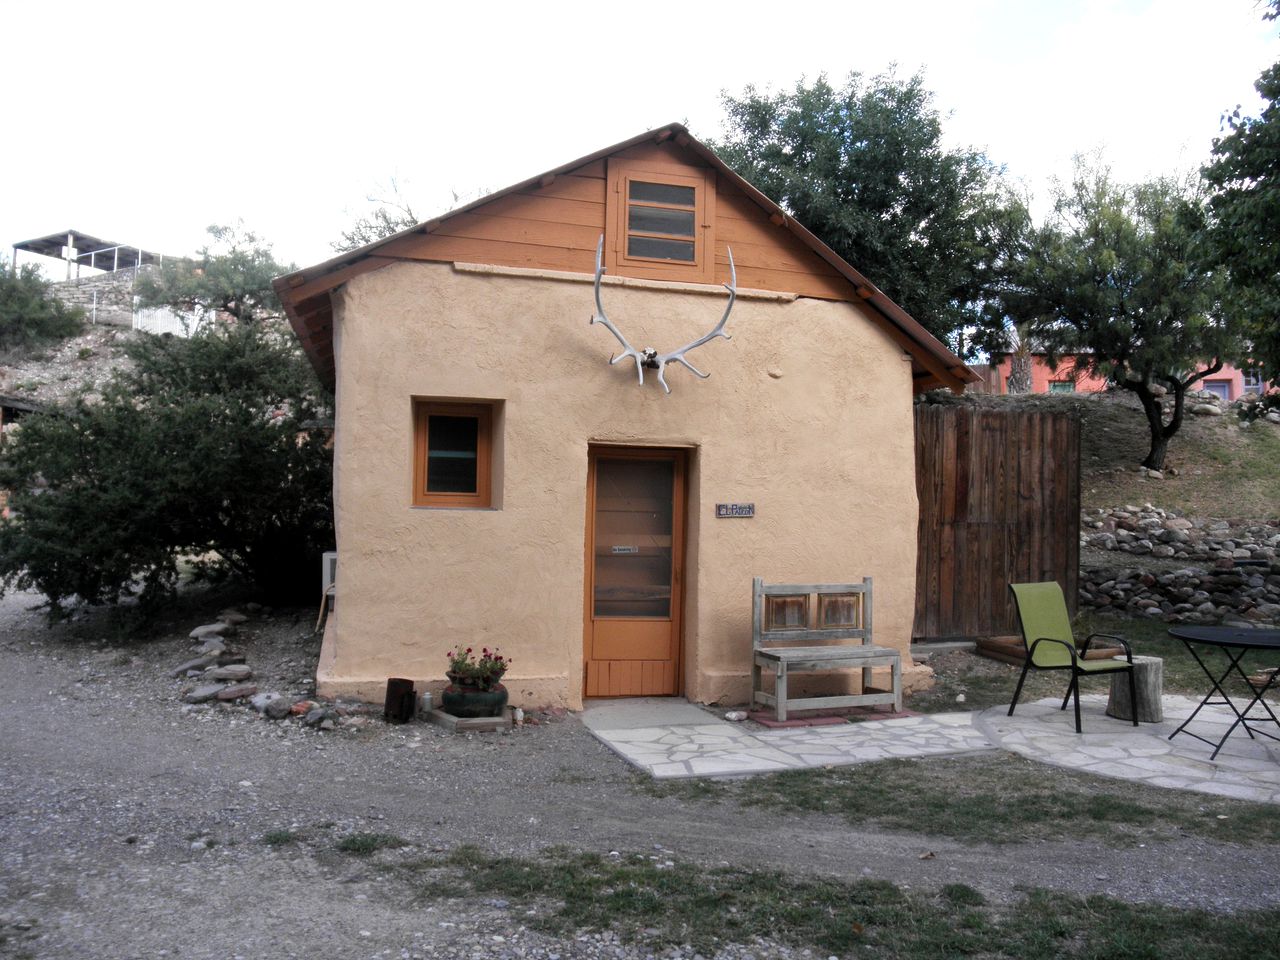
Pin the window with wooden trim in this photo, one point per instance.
(452, 454)
(660, 222)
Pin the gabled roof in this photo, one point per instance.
(305, 293)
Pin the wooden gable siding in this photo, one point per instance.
(556, 226)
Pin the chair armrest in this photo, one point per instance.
(1031, 651)
(1109, 636)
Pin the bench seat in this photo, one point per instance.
(776, 647)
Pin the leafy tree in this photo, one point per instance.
(208, 448)
(1244, 175)
(1115, 279)
(864, 168)
(392, 215)
(29, 313)
(231, 277)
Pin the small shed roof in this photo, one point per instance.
(305, 293)
(90, 250)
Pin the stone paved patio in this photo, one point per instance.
(699, 744)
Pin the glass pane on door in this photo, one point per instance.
(633, 527)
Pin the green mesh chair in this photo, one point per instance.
(1046, 632)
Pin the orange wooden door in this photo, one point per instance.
(634, 557)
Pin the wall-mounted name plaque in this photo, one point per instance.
(724, 510)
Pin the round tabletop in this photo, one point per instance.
(1244, 637)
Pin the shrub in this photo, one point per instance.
(211, 448)
(29, 313)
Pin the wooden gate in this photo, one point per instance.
(999, 503)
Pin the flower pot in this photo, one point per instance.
(468, 700)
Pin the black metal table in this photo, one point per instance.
(1235, 643)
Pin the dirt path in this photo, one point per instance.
(106, 782)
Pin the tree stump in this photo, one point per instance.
(1148, 679)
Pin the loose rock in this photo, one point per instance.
(237, 691)
(273, 706)
(237, 672)
(199, 663)
(218, 629)
(203, 693)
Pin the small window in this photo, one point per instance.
(659, 222)
(1251, 379)
(452, 461)
(1062, 386)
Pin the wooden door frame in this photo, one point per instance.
(679, 521)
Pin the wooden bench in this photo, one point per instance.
(801, 628)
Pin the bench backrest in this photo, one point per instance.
(808, 612)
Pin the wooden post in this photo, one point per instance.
(1148, 679)
(399, 705)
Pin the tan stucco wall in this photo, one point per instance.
(807, 414)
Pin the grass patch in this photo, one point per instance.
(364, 844)
(642, 899)
(281, 838)
(992, 798)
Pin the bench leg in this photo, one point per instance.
(897, 685)
(780, 692)
(756, 688)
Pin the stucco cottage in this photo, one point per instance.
(497, 481)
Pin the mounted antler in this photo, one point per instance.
(600, 317)
(649, 357)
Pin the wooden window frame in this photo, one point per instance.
(423, 410)
(621, 174)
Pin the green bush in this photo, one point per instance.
(29, 314)
(211, 449)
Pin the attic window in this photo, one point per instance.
(660, 221)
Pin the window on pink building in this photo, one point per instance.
(1219, 388)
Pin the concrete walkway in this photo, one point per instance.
(672, 738)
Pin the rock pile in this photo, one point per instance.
(1249, 406)
(1246, 596)
(1238, 583)
(1148, 530)
(222, 675)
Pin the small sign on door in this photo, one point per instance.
(618, 549)
(725, 510)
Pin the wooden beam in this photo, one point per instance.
(306, 290)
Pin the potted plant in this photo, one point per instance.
(474, 689)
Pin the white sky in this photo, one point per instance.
(146, 122)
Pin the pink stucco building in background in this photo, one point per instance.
(1229, 383)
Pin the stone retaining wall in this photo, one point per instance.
(1233, 577)
(104, 298)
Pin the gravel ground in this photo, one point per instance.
(132, 825)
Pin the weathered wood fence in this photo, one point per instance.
(999, 504)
